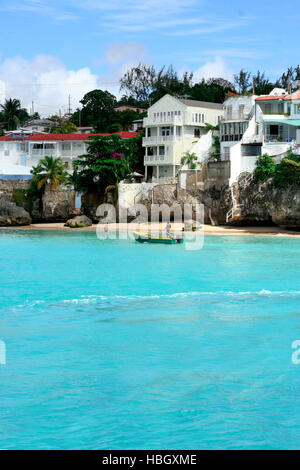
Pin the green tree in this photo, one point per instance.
(61, 126)
(242, 80)
(262, 85)
(213, 90)
(108, 160)
(51, 171)
(97, 110)
(189, 160)
(13, 114)
(122, 120)
(138, 82)
(265, 168)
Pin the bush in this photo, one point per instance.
(265, 168)
(287, 173)
(19, 197)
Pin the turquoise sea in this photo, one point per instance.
(118, 345)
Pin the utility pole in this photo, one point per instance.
(253, 85)
(69, 110)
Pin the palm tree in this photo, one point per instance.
(11, 111)
(189, 159)
(50, 171)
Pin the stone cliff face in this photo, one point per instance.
(257, 203)
(263, 204)
(13, 215)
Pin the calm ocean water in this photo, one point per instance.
(116, 345)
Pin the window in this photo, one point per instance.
(229, 112)
(197, 133)
(241, 111)
(226, 153)
(161, 150)
(273, 129)
(268, 108)
(165, 131)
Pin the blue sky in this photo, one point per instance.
(51, 48)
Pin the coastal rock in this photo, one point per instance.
(58, 205)
(79, 221)
(13, 215)
(263, 203)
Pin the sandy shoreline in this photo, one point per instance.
(156, 227)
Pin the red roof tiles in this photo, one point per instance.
(63, 137)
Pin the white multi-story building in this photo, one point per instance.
(173, 126)
(254, 125)
(20, 152)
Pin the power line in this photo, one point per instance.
(16, 85)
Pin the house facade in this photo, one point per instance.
(173, 126)
(255, 125)
(37, 125)
(20, 152)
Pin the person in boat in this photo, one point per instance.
(168, 230)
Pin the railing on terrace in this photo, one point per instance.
(43, 152)
(237, 117)
(149, 121)
(161, 138)
(154, 158)
(277, 139)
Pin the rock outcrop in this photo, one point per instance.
(79, 221)
(264, 203)
(57, 205)
(13, 215)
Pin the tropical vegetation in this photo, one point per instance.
(49, 171)
(189, 160)
(108, 160)
(12, 114)
(284, 174)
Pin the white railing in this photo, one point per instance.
(154, 158)
(42, 153)
(150, 121)
(161, 139)
(247, 179)
(232, 212)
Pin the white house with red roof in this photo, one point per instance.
(19, 152)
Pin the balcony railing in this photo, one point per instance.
(161, 139)
(236, 117)
(43, 153)
(150, 121)
(154, 158)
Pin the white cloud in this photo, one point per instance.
(135, 16)
(46, 81)
(40, 7)
(119, 52)
(213, 69)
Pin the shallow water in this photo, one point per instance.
(116, 345)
